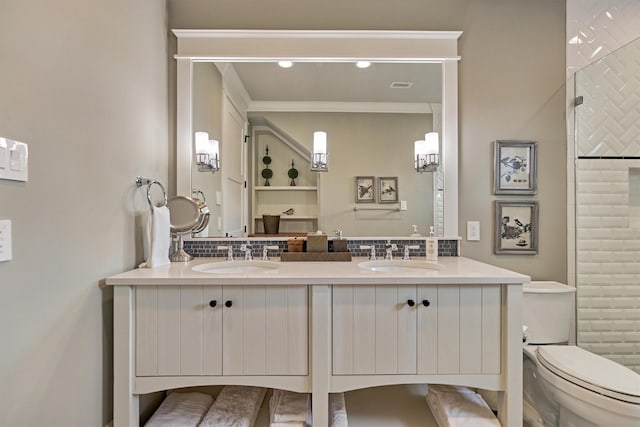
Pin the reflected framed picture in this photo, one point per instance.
(516, 227)
(514, 167)
(364, 189)
(388, 189)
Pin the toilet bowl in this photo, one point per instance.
(565, 385)
(584, 389)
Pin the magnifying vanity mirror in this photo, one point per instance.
(186, 216)
(230, 86)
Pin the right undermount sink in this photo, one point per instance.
(399, 266)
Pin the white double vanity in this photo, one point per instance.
(317, 327)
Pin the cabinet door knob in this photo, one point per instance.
(411, 303)
(213, 303)
(228, 303)
(426, 302)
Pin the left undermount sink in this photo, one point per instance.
(237, 267)
(400, 266)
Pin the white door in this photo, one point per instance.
(233, 167)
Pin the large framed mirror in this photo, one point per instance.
(227, 76)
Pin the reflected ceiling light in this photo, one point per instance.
(285, 64)
(363, 64)
(319, 156)
(427, 157)
(207, 153)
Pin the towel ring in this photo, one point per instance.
(164, 193)
(149, 182)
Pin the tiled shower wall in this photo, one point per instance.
(607, 191)
(608, 258)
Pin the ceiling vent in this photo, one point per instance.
(401, 85)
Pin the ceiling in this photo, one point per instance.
(341, 82)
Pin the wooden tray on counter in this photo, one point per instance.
(315, 256)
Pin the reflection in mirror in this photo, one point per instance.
(372, 118)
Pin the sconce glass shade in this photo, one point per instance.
(319, 156)
(426, 154)
(207, 153)
(202, 139)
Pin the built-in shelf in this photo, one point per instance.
(286, 188)
(292, 217)
(302, 199)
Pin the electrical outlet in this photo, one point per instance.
(473, 230)
(5, 240)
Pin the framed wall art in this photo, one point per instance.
(388, 189)
(516, 227)
(364, 189)
(514, 167)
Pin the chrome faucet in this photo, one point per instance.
(229, 250)
(389, 251)
(266, 249)
(406, 251)
(246, 248)
(372, 254)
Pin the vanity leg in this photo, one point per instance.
(320, 353)
(125, 403)
(510, 400)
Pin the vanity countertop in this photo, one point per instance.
(451, 270)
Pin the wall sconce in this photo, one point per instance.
(427, 156)
(319, 156)
(207, 153)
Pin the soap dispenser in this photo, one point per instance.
(432, 246)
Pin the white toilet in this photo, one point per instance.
(565, 385)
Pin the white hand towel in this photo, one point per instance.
(235, 406)
(181, 410)
(158, 235)
(459, 407)
(337, 410)
(292, 409)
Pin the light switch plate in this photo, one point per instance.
(14, 160)
(403, 205)
(473, 230)
(5, 240)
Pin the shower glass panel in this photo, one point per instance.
(608, 206)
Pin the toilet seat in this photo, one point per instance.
(590, 371)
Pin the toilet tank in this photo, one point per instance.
(546, 311)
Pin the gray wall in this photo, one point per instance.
(512, 86)
(84, 83)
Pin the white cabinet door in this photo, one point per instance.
(265, 330)
(221, 330)
(374, 330)
(459, 333)
(177, 331)
(447, 329)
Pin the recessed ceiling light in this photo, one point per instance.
(285, 64)
(363, 64)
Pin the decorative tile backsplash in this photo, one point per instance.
(209, 248)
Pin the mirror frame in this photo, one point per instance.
(320, 45)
